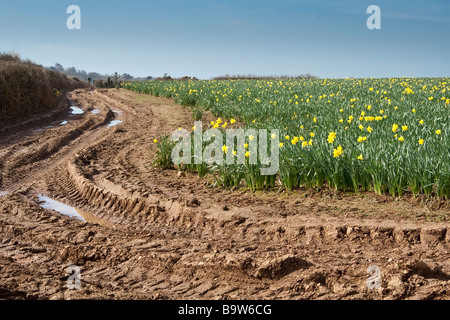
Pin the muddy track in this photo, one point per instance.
(156, 234)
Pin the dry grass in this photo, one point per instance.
(27, 88)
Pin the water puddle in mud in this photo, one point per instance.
(95, 111)
(114, 123)
(3, 193)
(59, 207)
(42, 129)
(76, 110)
(64, 123)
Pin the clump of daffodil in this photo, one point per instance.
(331, 137)
(338, 152)
(394, 127)
(362, 139)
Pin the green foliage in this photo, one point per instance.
(197, 113)
(390, 135)
(164, 152)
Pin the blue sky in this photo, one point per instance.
(216, 37)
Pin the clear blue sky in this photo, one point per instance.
(216, 37)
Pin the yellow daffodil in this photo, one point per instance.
(394, 128)
(338, 152)
(331, 137)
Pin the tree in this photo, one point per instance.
(116, 80)
(59, 67)
(96, 76)
(127, 76)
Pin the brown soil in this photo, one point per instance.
(155, 234)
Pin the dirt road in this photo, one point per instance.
(153, 234)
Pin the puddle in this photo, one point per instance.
(76, 110)
(95, 111)
(114, 123)
(64, 123)
(42, 129)
(3, 193)
(59, 207)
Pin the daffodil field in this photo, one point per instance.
(384, 135)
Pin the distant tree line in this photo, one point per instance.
(254, 77)
(95, 76)
(111, 81)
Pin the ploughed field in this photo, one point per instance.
(144, 232)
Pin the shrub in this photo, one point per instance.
(27, 88)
